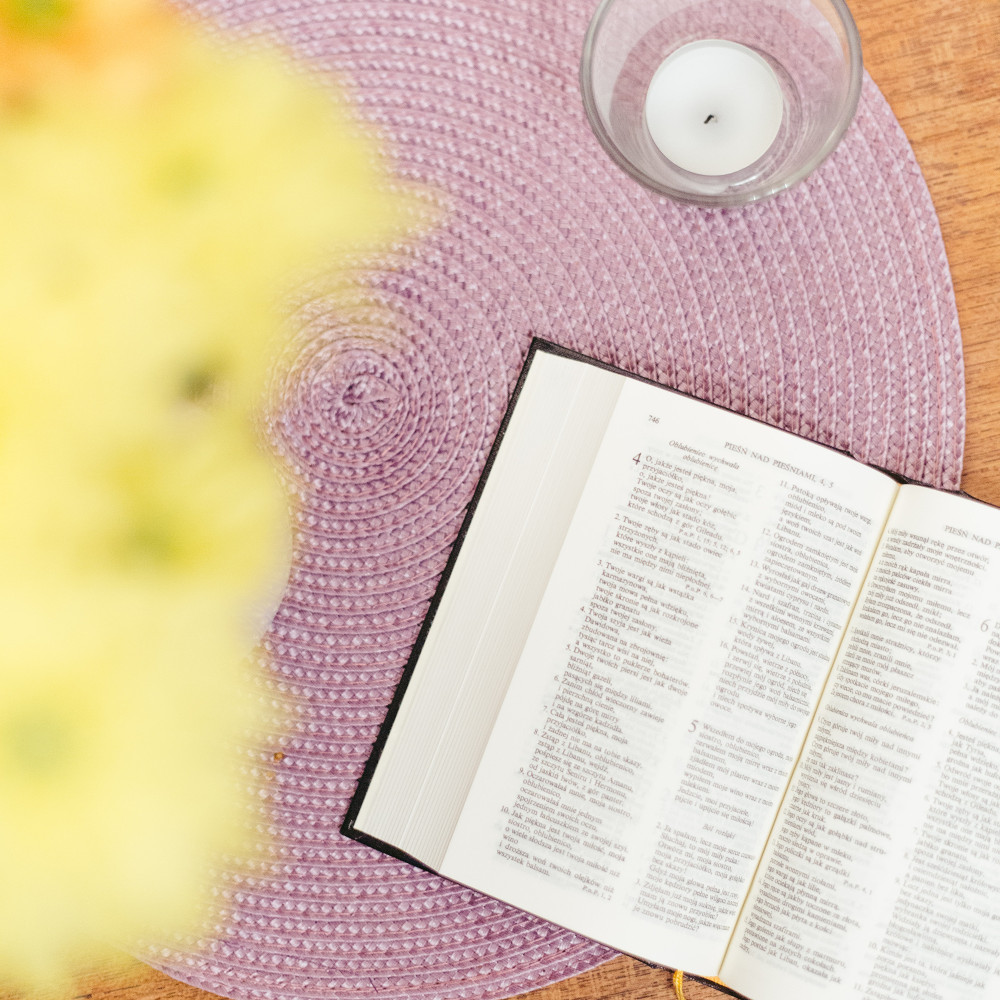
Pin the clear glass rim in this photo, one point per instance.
(725, 199)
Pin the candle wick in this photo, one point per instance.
(710, 118)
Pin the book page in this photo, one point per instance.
(476, 633)
(882, 878)
(664, 690)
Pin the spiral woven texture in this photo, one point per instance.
(827, 310)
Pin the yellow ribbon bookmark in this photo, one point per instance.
(679, 983)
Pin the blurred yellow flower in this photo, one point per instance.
(157, 198)
(116, 770)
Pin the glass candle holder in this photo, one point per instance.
(720, 102)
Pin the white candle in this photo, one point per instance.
(714, 107)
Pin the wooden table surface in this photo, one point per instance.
(938, 64)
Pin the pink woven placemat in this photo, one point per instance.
(828, 311)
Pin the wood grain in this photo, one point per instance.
(938, 64)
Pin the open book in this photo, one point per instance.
(717, 696)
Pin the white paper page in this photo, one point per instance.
(663, 693)
(882, 880)
(477, 633)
